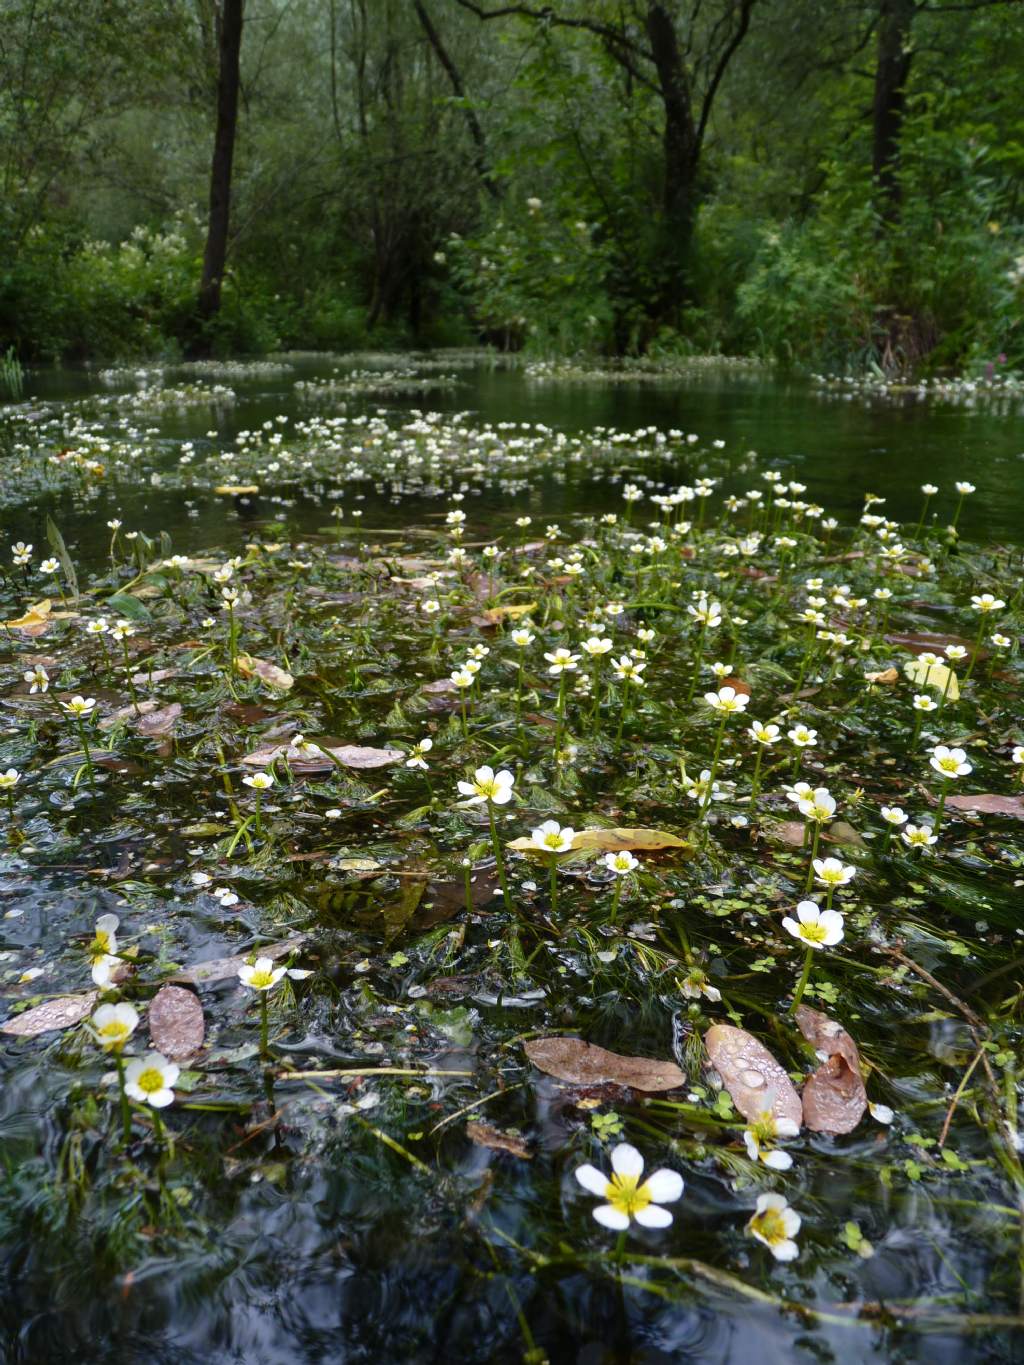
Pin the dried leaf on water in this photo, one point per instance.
(221, 968)
(936, 676)
(834, 1098)
(62, 1012)
(581, 1063)
(160, 722)
(756, 1082)
(251, 667)
(176, 1024)
(612, 840)
(486, 1136)
(988, 803)
(351, 755)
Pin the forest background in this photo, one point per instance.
(827, 182)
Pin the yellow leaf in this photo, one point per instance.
(509, 613)
(610, 841)
(36, 615)
(235, 490)
(934, 676)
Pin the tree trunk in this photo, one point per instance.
(891, 75)
(680, 149)
(229, 46)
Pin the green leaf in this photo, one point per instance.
(58, 547)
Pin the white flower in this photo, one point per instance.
(832, 873)
(150, 1079)
(38, 678)
(562, 661)
(929, 489)
(627, 1198)
(621, 863)
(776, 1224)
(79, 706)
(894, 815)
(817, 928)
(627, 670)
(260, 975)
(986, 602)
(964, 487)
(9, 779)
(113, 1025)
(727, 700)
(919, 836)
(819, 805)
(708, 614)
(553, 837)
(488, 785)
(416, 757)
(758, 1139)
(522, 637)
(763, 734)
(802, 737)
(881, 1113)
(596, 646)
(950, 762)
(922, 702)
(259, 782)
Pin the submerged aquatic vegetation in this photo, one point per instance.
(323, 769)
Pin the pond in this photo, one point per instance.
(319, 645)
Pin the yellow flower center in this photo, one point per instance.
(553, 841)
(113, 1033)
(150, 1081)
(813, 933)
(770, 1226)
(949, 765)
(487, 789)
(261, 980)
(624, 1194)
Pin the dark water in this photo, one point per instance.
(322, 1251)
(839, 446)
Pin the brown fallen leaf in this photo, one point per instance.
(572, 1059)
(737, 685)
(176, 1025)
(834, 1097)
(160, 722)
(887, 676)
(927, 642)
(251, 667)
(486, 1136)
(756, 1082)
(493, 615)
(351, 755)
(611, 841)
(792, 832)
(988, 803)
(235, 490)
(221, 968)
(62, 1012)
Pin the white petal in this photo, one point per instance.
(653, 1216)
(592, 1179)
(664, 1187)
(791, 926)
(626, 1160)
(786, 1128)
(807, 912)
(881, 1113)
(161, 1098)
(785, 1251)
(467, 788)
(770, 1201)
(750, 1142)
(791, 1221)
(778, 1161)
(611, 1217)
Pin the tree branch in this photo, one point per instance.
(746, 7)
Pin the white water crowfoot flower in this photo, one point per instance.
(488, 785)
(919, 836)
(727, 700)
(492, 789)
(38, 679)
(819, 805)
(628, 1200)
(832, 874)
(551, 837)
(151, 1079)
(951, 764)
(620, 864)
(417, 754)
(761, 1135)
(113, 1025)
(776, 1224)
(816, 927)
(262, 976)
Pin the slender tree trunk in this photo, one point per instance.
(891, 75)
(476, 132)
(680, 149)
(229, 46)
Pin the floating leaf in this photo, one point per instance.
(493, 615)
(572, 1059)
(220, 968)
(351, 755)
(127, 605)
(756, 1082)
(611, 841)
(988, 803)
(251, 667)
(834, 1098)
(936, 676)
(236, 490)
(486, 1136)
(160, 722)
(58, 547)
(62, 1012)
(176, 1025)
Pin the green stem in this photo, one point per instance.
(126, 1112)
(756, 780)
(974, 651)
(942, 806)
(699, 650)
(801, 985)
(264, 1026)
(814, 853)
(617, 896)
(706, 803)
(554, 883)
(498, 857)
